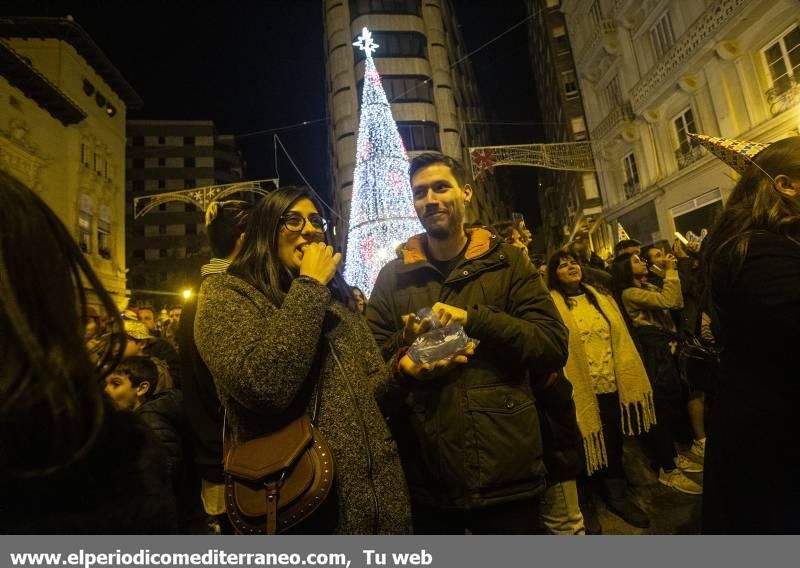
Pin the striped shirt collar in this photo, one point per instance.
(215, 266)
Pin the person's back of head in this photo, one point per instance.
(225, 223)
(627, 246)
(766, 197)
(51, 401)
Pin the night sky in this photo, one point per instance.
(253, 66)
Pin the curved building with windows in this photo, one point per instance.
(430, 85)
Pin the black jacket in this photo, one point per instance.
(752, 462)
(472, 438)
(164, 415)
(201, 401)
(121, 486)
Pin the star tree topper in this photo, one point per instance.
(365, 42)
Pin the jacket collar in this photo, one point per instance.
(481, 241)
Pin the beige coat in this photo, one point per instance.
(633, 386)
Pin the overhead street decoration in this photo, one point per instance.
(202, 197)
(573, 156)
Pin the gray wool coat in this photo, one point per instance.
(265, 360)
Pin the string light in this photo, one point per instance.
(382, 212)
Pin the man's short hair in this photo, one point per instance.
(225, 222)
(431, 158)
(625, 244)
(138, 370)
(646, 251)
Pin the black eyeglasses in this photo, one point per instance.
(295, 222)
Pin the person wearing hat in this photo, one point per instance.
(139, 339)
(752, 267)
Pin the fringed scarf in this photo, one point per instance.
(633, 387)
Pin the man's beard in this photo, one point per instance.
(443, 232)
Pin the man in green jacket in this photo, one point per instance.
(469, 437)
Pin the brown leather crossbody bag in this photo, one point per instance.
(276, 481)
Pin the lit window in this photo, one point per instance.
(578, 128)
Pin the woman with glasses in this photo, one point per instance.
(281, 321)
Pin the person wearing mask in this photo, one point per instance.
(70, 464)
(281, 321)
(470, 441)
(613, 396)
(648, 310)
(225, 225)
(752, 266)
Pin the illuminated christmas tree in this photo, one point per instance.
(382, 212)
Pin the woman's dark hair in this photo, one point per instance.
(225, 222)
(756, 204)
(258, 263)
(505, 229)
(553, 283)
(51, 394)
(622, 271)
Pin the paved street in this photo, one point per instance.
(671, 512)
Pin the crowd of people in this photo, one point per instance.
(131, 423)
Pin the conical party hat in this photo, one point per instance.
(738, 154)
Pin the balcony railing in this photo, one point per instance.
(620, 113)
(716, 15)
(784, 95)
(688, 157)
(632, 188)
(607, 30)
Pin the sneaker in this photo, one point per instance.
(699, 448)
(678, 481)
(687, 465)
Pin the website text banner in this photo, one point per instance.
(390, 552)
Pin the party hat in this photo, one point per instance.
(738, 154)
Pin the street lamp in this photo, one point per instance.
(187, 294)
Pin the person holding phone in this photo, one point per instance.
(648, 310)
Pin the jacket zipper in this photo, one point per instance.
(364, 436)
